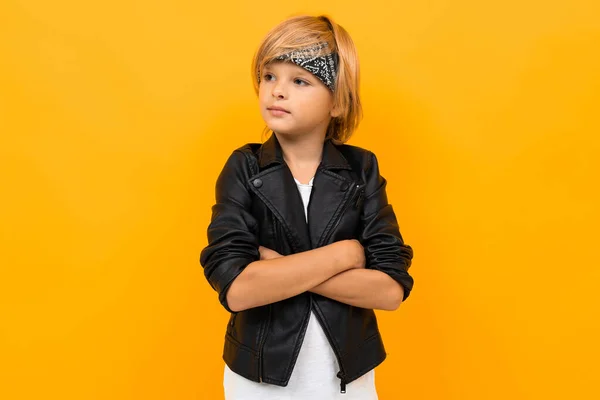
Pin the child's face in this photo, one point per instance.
(308, 101)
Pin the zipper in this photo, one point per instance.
(359, 200)
(356, 201)
(262, 345)
(341, 374)
(342, 383)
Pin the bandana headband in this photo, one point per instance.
(323, 67)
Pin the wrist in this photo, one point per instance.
(343, 256)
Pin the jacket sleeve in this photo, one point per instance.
(233, 230)
(385, 249)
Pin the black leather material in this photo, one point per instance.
(258, 203)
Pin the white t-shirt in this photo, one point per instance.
(314, 374)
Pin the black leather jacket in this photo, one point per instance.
(258, 203)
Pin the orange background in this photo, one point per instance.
(116, 118)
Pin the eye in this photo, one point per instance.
(300, 80)
(266, 76)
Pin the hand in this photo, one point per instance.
(267, 254)
(355, 252)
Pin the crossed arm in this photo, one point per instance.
(360, 287)
(366, 288)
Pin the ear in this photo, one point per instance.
(335, 112)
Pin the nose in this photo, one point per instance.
(278, 90)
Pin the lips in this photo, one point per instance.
(278, 109)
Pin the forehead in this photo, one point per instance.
(285, 65)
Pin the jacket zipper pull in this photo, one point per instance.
(342, 382)
(359, 199)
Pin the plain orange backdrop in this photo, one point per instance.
(117, 116)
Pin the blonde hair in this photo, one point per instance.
(300, 31)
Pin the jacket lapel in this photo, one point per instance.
(280, 194)
(330, 193)
(275, 186)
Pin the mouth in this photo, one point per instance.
(278, 110)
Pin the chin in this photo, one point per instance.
(280, 129)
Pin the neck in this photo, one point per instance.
(301, 152)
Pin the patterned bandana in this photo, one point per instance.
(323, 67)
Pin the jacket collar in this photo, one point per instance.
(270, 152)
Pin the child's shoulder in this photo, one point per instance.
(358, 157)
(353, 149)
(249, 147)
